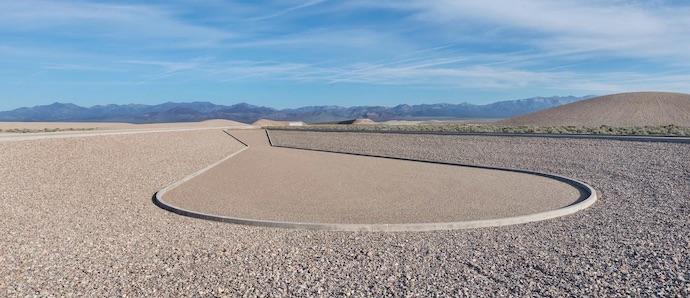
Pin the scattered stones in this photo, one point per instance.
(77, 219)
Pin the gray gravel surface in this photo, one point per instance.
(634, 241)
(77, 219)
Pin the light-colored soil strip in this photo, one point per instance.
(96, 133)
(114, 125)
(285, 188)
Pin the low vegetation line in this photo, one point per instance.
(29, 130)
(659, 130)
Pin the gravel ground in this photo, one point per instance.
(634, 241)
(77, 219)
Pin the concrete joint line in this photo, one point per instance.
(585, 201)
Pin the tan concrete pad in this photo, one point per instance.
(279, 184)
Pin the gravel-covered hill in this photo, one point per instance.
(624, 109)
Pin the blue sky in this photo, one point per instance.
(309, 52)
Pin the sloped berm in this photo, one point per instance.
(264, 185)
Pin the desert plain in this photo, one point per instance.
(77, 219)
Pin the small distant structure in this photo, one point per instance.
(296, 123)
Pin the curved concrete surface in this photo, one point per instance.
(288, 188)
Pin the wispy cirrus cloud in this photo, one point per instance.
(77, 67)
(288, 10)
(579, 47)
(80, 21)
(433, 73)
(621, 27)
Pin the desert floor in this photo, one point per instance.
(77, 218)
(113, 126)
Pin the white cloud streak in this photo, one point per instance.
(288, 10)
(543, 42)
(575, 26)
(140, 23)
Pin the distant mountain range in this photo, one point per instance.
(243, 112)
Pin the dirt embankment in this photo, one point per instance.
(268, 122)
(360, 121)
(624, 109)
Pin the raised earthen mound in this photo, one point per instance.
(205, 123)
(267, 122)
(221, 122)
(624, 109)
(360, 121)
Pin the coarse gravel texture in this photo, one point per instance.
(634, 240)
(77, 220)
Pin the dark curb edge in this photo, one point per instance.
(587, 198)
